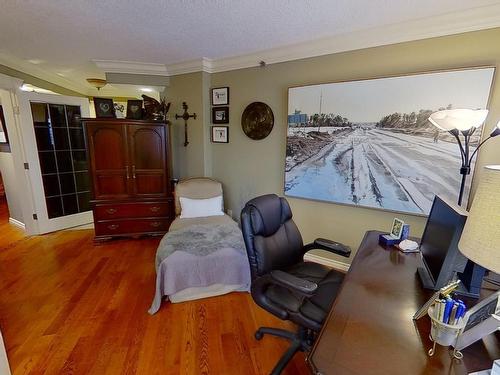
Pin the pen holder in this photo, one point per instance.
(444, 334)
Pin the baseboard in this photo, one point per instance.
(17, 223)
(335, 264)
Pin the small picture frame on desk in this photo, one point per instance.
(220, 96)
(220, 115)
(104, 108)
(220, 134)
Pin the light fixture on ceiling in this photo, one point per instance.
(97, 82)
(145, 89)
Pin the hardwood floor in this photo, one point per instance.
(68, 306)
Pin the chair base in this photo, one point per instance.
(302, 341)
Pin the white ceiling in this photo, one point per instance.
(59, 39)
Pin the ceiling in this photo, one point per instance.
(58, 40)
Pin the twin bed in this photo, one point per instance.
(203, 254)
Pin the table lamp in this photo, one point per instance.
(480, 241)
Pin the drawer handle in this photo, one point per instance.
(111, 211)
(155, 224)
(154, 209)
(113, 226)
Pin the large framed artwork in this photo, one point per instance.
(369, 142)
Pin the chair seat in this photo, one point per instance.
(310, 312)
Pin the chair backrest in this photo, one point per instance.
(196, 188)
(272, 239)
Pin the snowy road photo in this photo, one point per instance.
(379, 168)
(369, 142)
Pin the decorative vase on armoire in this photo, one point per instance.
(130, 169)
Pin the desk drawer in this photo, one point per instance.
(122, 227)
(132, 210)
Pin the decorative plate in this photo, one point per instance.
(257, 120)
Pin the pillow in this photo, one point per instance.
(191, 208)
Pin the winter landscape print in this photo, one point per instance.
(369, 142)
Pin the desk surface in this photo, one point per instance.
(370, 328)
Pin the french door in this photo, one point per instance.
(54, 144)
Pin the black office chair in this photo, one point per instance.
(282, 283)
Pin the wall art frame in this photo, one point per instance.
(368, 143)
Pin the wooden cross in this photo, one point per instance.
(185, 116)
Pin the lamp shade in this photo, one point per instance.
(480, 241)
(461, 119)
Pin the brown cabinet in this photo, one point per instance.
(130, 171)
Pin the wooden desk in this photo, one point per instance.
(370, 328)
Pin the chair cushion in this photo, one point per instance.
(310, 312)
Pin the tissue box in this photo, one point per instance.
(388, 240)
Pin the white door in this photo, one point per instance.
(54, 145)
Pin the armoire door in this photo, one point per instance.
(147, 146)
(107, 144)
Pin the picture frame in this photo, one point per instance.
(104, 108)
(134, 109)
(4, 136)
(397, 228)
(220, 134)
(220, 96)
(373, 139)
(220, 115)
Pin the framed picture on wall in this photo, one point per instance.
(104, 108)
(220, 96)
(220, 115)
(369, 142)
(220, 134)
(134, 109)
(4, 138)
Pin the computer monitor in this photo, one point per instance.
(439, 244)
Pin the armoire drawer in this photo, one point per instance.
(132, 210)
(117, 227)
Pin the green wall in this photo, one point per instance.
(249, 168)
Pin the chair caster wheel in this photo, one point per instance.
(259, 335)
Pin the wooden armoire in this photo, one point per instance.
(129, 165)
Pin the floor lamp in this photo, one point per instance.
(465, 122)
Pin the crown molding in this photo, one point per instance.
(202, 65)
(131, 67)
(446, 24)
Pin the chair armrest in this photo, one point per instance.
(294, 283)
(331, 246)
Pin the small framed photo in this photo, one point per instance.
(220, 115)
(220, 96)
(220, 134)
(134, 109)
(104, 108)
(397, 228)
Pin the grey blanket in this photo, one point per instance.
(200, 256)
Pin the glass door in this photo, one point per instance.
(54, 143)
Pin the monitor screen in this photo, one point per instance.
(442, 231)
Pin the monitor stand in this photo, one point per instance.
(471, 280)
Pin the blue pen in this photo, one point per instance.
(459, 314)
(447, 310)
(464, 309)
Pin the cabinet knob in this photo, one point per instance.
(154, 209)
(111, 211)
(155, 224)
(113, 226)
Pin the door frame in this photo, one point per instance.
(43, 224)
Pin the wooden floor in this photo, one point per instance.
(68, 306)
